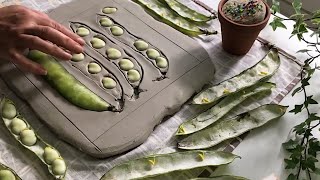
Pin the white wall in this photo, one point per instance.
(308, 6)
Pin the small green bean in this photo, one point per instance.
(106, 22)
(82, 31)
(9, 111)
(94, 68)
(59, 166)
(152, 53)
(126, 64)
(67, 85)
(186, 12)
(6, 175)
(134, 75)
(97, 43)
(17, 125)
(161, 62)
(116, 30)
(141, 45)
(113, 53)
(28, 137)
(109, 10)
(109, 83)
(77, 57)
(50, 154)
(172, 19)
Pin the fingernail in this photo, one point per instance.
(67, 56)
(81, 41)
(80, 48)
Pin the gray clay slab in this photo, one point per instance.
(142, 104)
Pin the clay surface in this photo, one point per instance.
(141, 104)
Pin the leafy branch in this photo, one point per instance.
(304, 149)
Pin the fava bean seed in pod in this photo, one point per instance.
(9, 111)
(106, 22)
(17, 125)
(109, 10)
(6, 175)
(50, 155)
(133, 75)
(94, 68)
(97, 43)
(141, 45)
(28, 137)
(116, 30)
(81, 31)
(113, 53)
(109, 83)
(59, 166)
(152, 53)
(161, 62)
(126, 64)
(77, 57)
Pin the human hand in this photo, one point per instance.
(22, 28)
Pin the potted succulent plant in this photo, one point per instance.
(241, 22)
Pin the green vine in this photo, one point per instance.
(304, 149)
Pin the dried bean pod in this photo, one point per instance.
(31, 141)
(67, 85)
(172, 19)
(186, 12)
(7, 173)
(222, 108)
(264, 69)
(232, 127)
(165, 163)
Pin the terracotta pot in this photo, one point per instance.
(238, 38)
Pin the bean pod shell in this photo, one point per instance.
(7, 173)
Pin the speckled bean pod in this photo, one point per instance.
(21, 130)
(264, 69)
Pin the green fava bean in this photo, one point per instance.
(106, 22)
(126, 64)
(109, 83)
(77, 57)
(6, 175)
(133, 75)
(17, 125)
(9, 111)
(94, 68)
(67, 85)
(50, 155)
(116, 30)
(81, 31)
(152, 53)
(109, 10)
(59, 167)
(141, 45)
(113, 53)
(97, 43)
(161, 62)
(28, 137)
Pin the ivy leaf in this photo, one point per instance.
(297, 90)
(292, 177)
(317, 171)
(275, 6)
(297, 109)
(290, 164)
(312, 117)
(300, 128)
(277, 23)
(290, 145)
(310, 163)
(305, 81)
(297, 5)
(316, 17)
(309, 100)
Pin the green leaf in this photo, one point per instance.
(297, 5)
(277, 23)
(290, 164)
(292, 177)
(316, 14)
(312, 117)
(275, 6)
(300, 128)
(297, 90)
(297, 109)
(310, 163)
(317, 171)
(290, 145)
(305, 81)
(309, 100)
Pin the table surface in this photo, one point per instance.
(261, 150)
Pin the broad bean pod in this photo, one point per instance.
(222, 108)
(7, 173)
(67, 85)
(227, 128)
(17, 125)
(264, 69)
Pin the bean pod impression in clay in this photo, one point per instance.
(227, 128)
(186, 12)
(21, 130)
(222, 108)
(154, 165)
(67, 85)
(264, 69)
(7, 173)
(172, 19)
